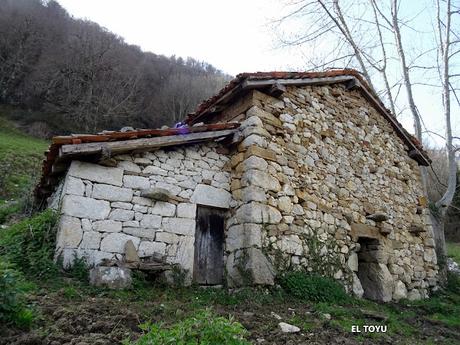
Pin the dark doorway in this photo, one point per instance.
(373, 273)
(208, 266)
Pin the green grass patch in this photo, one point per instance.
(29, 245)
(20, 157)
(314, 288)
(453, 251)
(203, 327)
(13, 308)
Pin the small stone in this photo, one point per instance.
(287, 328)
(378, 217)
(275, 315)
(131, 252)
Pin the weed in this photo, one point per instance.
(70, 292)
(12, 305)
(29, 245)
(203, 327)
(313, 288)
(79, 270)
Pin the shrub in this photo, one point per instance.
(202, 328)
(12, 306)
(79, 270)
(30, 244)
(313, 288)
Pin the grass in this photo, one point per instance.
(20, 157)
(453, 251)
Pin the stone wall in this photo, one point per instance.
(315, 172)
(102, 207)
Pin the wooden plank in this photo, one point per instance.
(251, 84)
(109, 136)
(235, 109)
(117, 147)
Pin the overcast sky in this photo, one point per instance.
(231, 35)
(234, 36)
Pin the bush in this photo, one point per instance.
(30, 244)
(313, 288)
(12, 306)
(79, 270)
(202, 328)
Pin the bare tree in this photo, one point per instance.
(372, 36)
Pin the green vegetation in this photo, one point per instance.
(313, 288)
(29, 245)
(20, 157)
(12, 299)
(203, 327)
(453, 251)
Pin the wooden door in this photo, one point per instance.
(208, 266)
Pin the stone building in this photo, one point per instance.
(278, 171)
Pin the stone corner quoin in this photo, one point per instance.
(318, 181)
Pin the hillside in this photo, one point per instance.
(72, 75)
(20, 160)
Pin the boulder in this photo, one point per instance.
(110, 277)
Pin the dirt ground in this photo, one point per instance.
(68, 317)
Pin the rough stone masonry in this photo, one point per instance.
(317, 180)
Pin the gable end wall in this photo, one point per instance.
(311, 166)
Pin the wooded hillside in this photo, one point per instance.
(70, 75)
